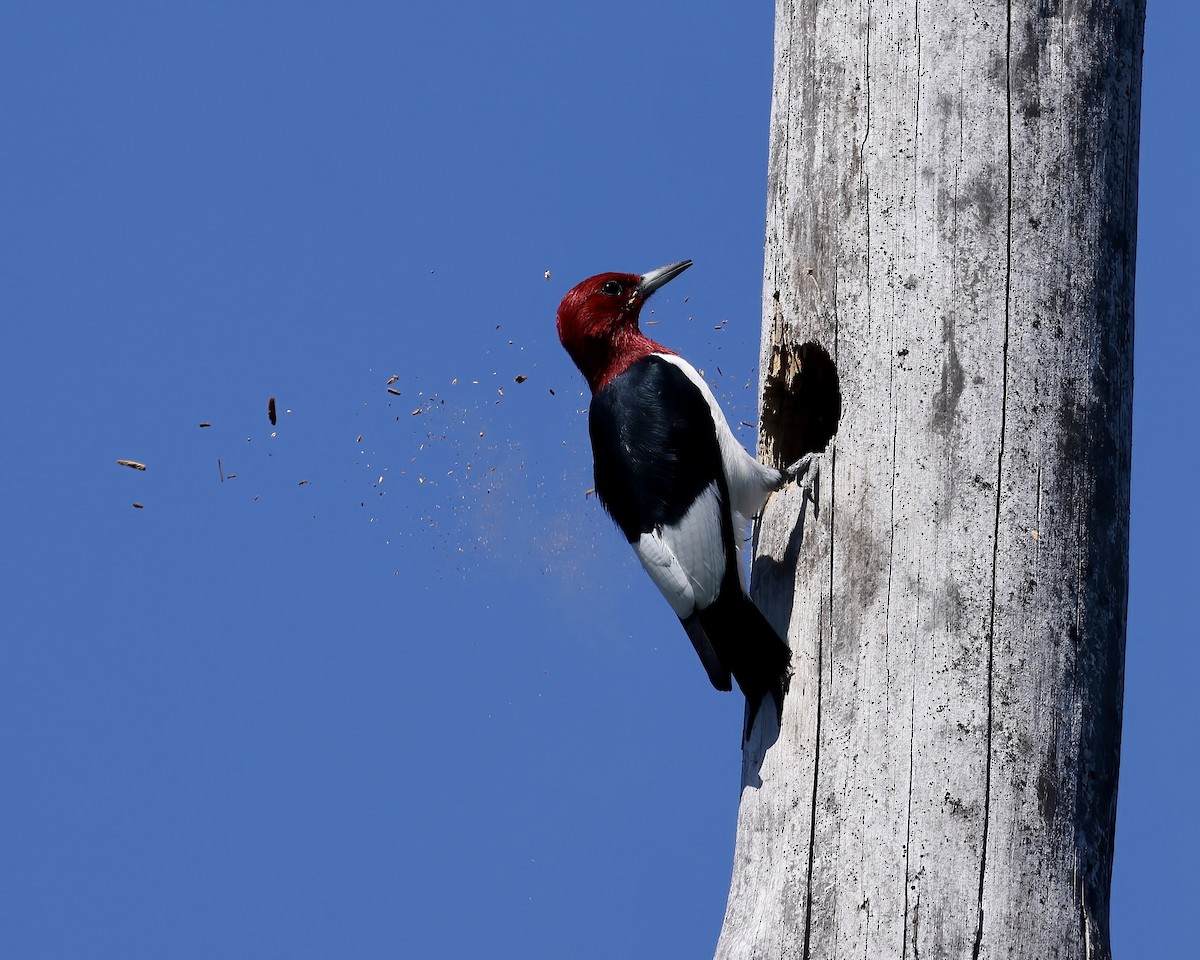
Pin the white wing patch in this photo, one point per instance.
(687, 561)
(750, 482)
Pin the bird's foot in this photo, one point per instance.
(798, 469)
(807, 472)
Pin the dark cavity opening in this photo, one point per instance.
(802, 402)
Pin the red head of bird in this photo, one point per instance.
(598, 321)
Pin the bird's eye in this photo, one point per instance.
(612, 288)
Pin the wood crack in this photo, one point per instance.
(862, 159)
(812, 826)
(862, 150)
(912, 712)
(912, 743)
(908, 822)
(991, 633)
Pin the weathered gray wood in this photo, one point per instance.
(952, 202)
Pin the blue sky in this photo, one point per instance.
(423, 703)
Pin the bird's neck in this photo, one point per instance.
(601, 359)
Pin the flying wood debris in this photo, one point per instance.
(302, 483)
(547, 274)
(206, 424)
(271, 410)
(394, 378)
(140, 506)
(393, 391)
(521, 378)
(132, 463)
(220, 470)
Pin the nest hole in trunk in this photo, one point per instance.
(802, 402)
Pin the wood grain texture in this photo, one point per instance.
(951, 215)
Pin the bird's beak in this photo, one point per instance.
(656, 278)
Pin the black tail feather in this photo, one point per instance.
(718, 672)
(749, 648)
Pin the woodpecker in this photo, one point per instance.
(673, 478)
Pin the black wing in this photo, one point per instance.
(655, 446)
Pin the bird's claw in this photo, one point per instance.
(798, 469)
(807, 472)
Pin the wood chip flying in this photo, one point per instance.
(132, 463)
(394, 378)
(271, 410)
(206, 424)
(521, 378)
(140, 506)
(393, 391)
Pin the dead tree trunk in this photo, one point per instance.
(950, 244)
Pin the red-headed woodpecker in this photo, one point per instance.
(675, 480)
